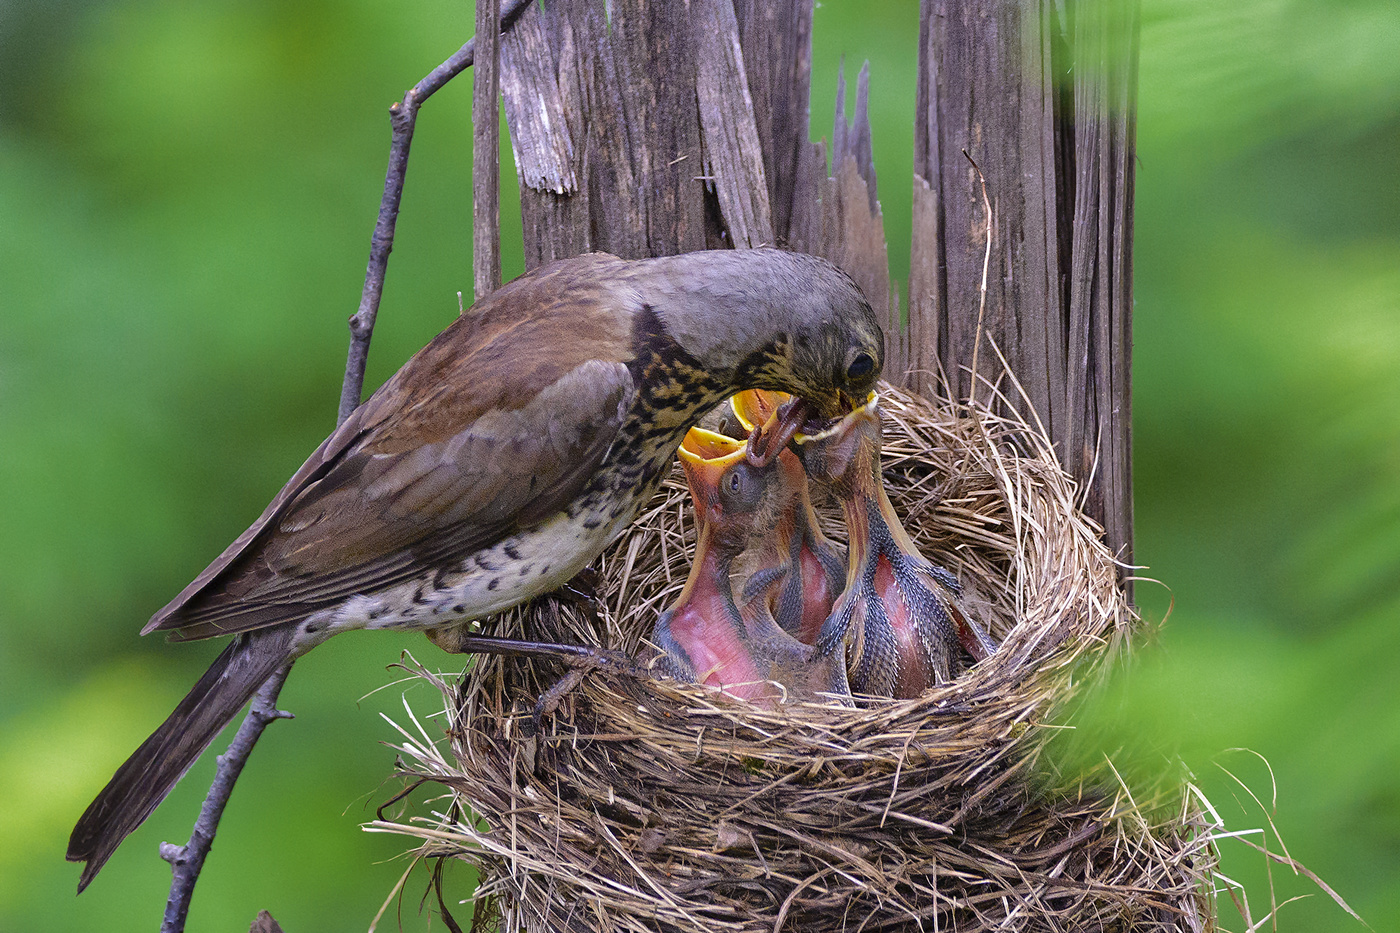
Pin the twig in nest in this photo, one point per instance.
(986, 266)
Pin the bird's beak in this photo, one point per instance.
(705, 456)
(771, 418)
(775, 418)
(767, 441)
(869, 410)
(833, 444)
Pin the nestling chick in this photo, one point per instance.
(704, 635)
(898, 623)
(798, 572)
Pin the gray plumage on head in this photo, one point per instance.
(721, 305)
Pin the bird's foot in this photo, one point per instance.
(575, 656)
(579, 659)
(580, 665)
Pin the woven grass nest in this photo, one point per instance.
(641, 804)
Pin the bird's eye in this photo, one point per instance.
(740, 489)
(860, 367)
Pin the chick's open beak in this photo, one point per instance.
(704, 636)
(828, 449)
(844, 424)
(776, 418)
(753, 407)
(705, 456)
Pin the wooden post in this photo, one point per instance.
(486, 170)
(646, 128)
(1041, 96)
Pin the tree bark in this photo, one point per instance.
(1042, 96)
(486, 168)
(645, 128)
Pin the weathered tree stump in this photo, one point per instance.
(652, 128)
(1042, 97)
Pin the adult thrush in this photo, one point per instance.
(898, 623)
(797, 570)
(705, 636)
(494, 466)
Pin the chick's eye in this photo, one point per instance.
(738, 490)
(860, 367)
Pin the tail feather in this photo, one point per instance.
(144, 780)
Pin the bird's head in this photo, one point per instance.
(834, 365)
(732, 495)
(841, 452)
(770, 319)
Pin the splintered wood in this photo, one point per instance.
(644, 128)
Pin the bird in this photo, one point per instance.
(704, 635)
(798, 571)
(493, 466)
(898, 623)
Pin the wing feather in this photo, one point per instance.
(421, 509)
(370, 509)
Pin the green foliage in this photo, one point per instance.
(188, 193)
(1266, 409)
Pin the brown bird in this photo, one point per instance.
(898, 623)
(493, 466)
(705, 636)
(798, 571)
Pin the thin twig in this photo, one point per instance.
(402, 117)
(187, 861)
(986, 265)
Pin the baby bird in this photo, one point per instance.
(798, 572)
(897, 624)
(705, 637)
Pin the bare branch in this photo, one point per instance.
(187, 861)
(402, 117)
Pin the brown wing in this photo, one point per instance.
(495, 425)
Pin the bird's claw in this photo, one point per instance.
(580, 660)
(549, 700)
(575, 656)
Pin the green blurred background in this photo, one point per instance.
(186, 197)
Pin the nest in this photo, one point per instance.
(629, 803)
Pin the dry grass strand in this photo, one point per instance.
(645, 805)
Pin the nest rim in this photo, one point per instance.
(662, 793)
